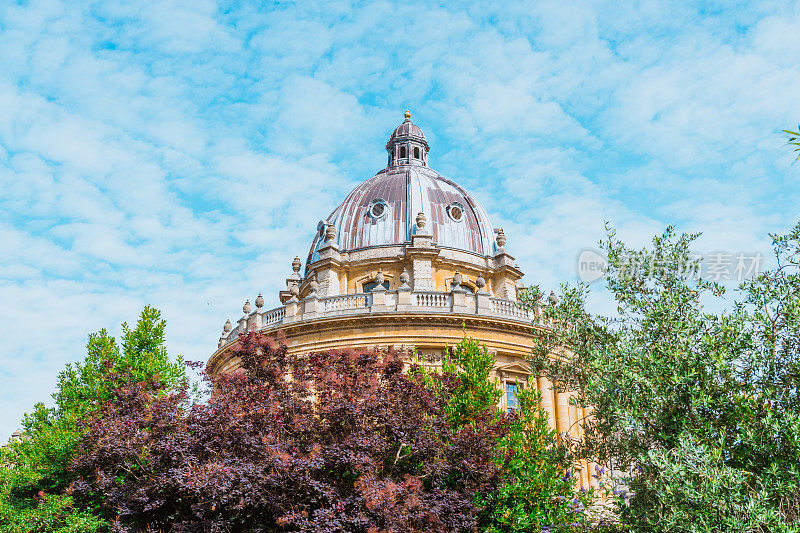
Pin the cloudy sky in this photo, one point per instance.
(180, 153)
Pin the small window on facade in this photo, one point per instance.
(455, 211)
(416, 153)
(377, 209)
(402, 152)
(511, 396)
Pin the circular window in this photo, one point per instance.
(456, 211)
(377, 209)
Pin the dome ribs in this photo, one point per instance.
(406, 191)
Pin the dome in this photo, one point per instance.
(407, 144)
(407, 131)
(382, 212)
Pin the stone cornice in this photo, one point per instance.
(378, 321)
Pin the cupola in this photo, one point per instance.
(407, 144)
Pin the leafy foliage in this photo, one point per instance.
(475, 394)
(538, 490)
(696, 411)
(794, 140)
(338, 441)
(35, 470)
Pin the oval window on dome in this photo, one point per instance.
(377, 208)
(456, 211)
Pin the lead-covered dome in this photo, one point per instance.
(382, 210)
(407, 131)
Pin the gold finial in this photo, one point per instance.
(408, 114)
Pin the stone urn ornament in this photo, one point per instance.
(421, 220)
(330, 232)
(501, 239)
(314, 284)
(404, 277)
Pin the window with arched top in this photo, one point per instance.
(367, 287)
(416, 153)
(402, 152)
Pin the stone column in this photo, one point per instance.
(546, 389)
(590, 467)
(562, 412)
(574, 428)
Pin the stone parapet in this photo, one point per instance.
(401, 301)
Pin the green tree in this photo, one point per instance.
(694, 409)
(34, 472)
(538, 491)
(476, 393)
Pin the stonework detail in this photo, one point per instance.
(423, 275)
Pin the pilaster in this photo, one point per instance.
(379, 300)
(310, 306)
(404, 292)
(327, 268)
(291, 310)
(483, 304)
(506, 274)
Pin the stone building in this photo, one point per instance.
(409, 260)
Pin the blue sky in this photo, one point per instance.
(180, 153)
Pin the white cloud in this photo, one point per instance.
(180, 153)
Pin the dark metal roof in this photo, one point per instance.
(407, 190)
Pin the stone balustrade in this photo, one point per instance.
(509, 308)
(432, 299)
(399, 301)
